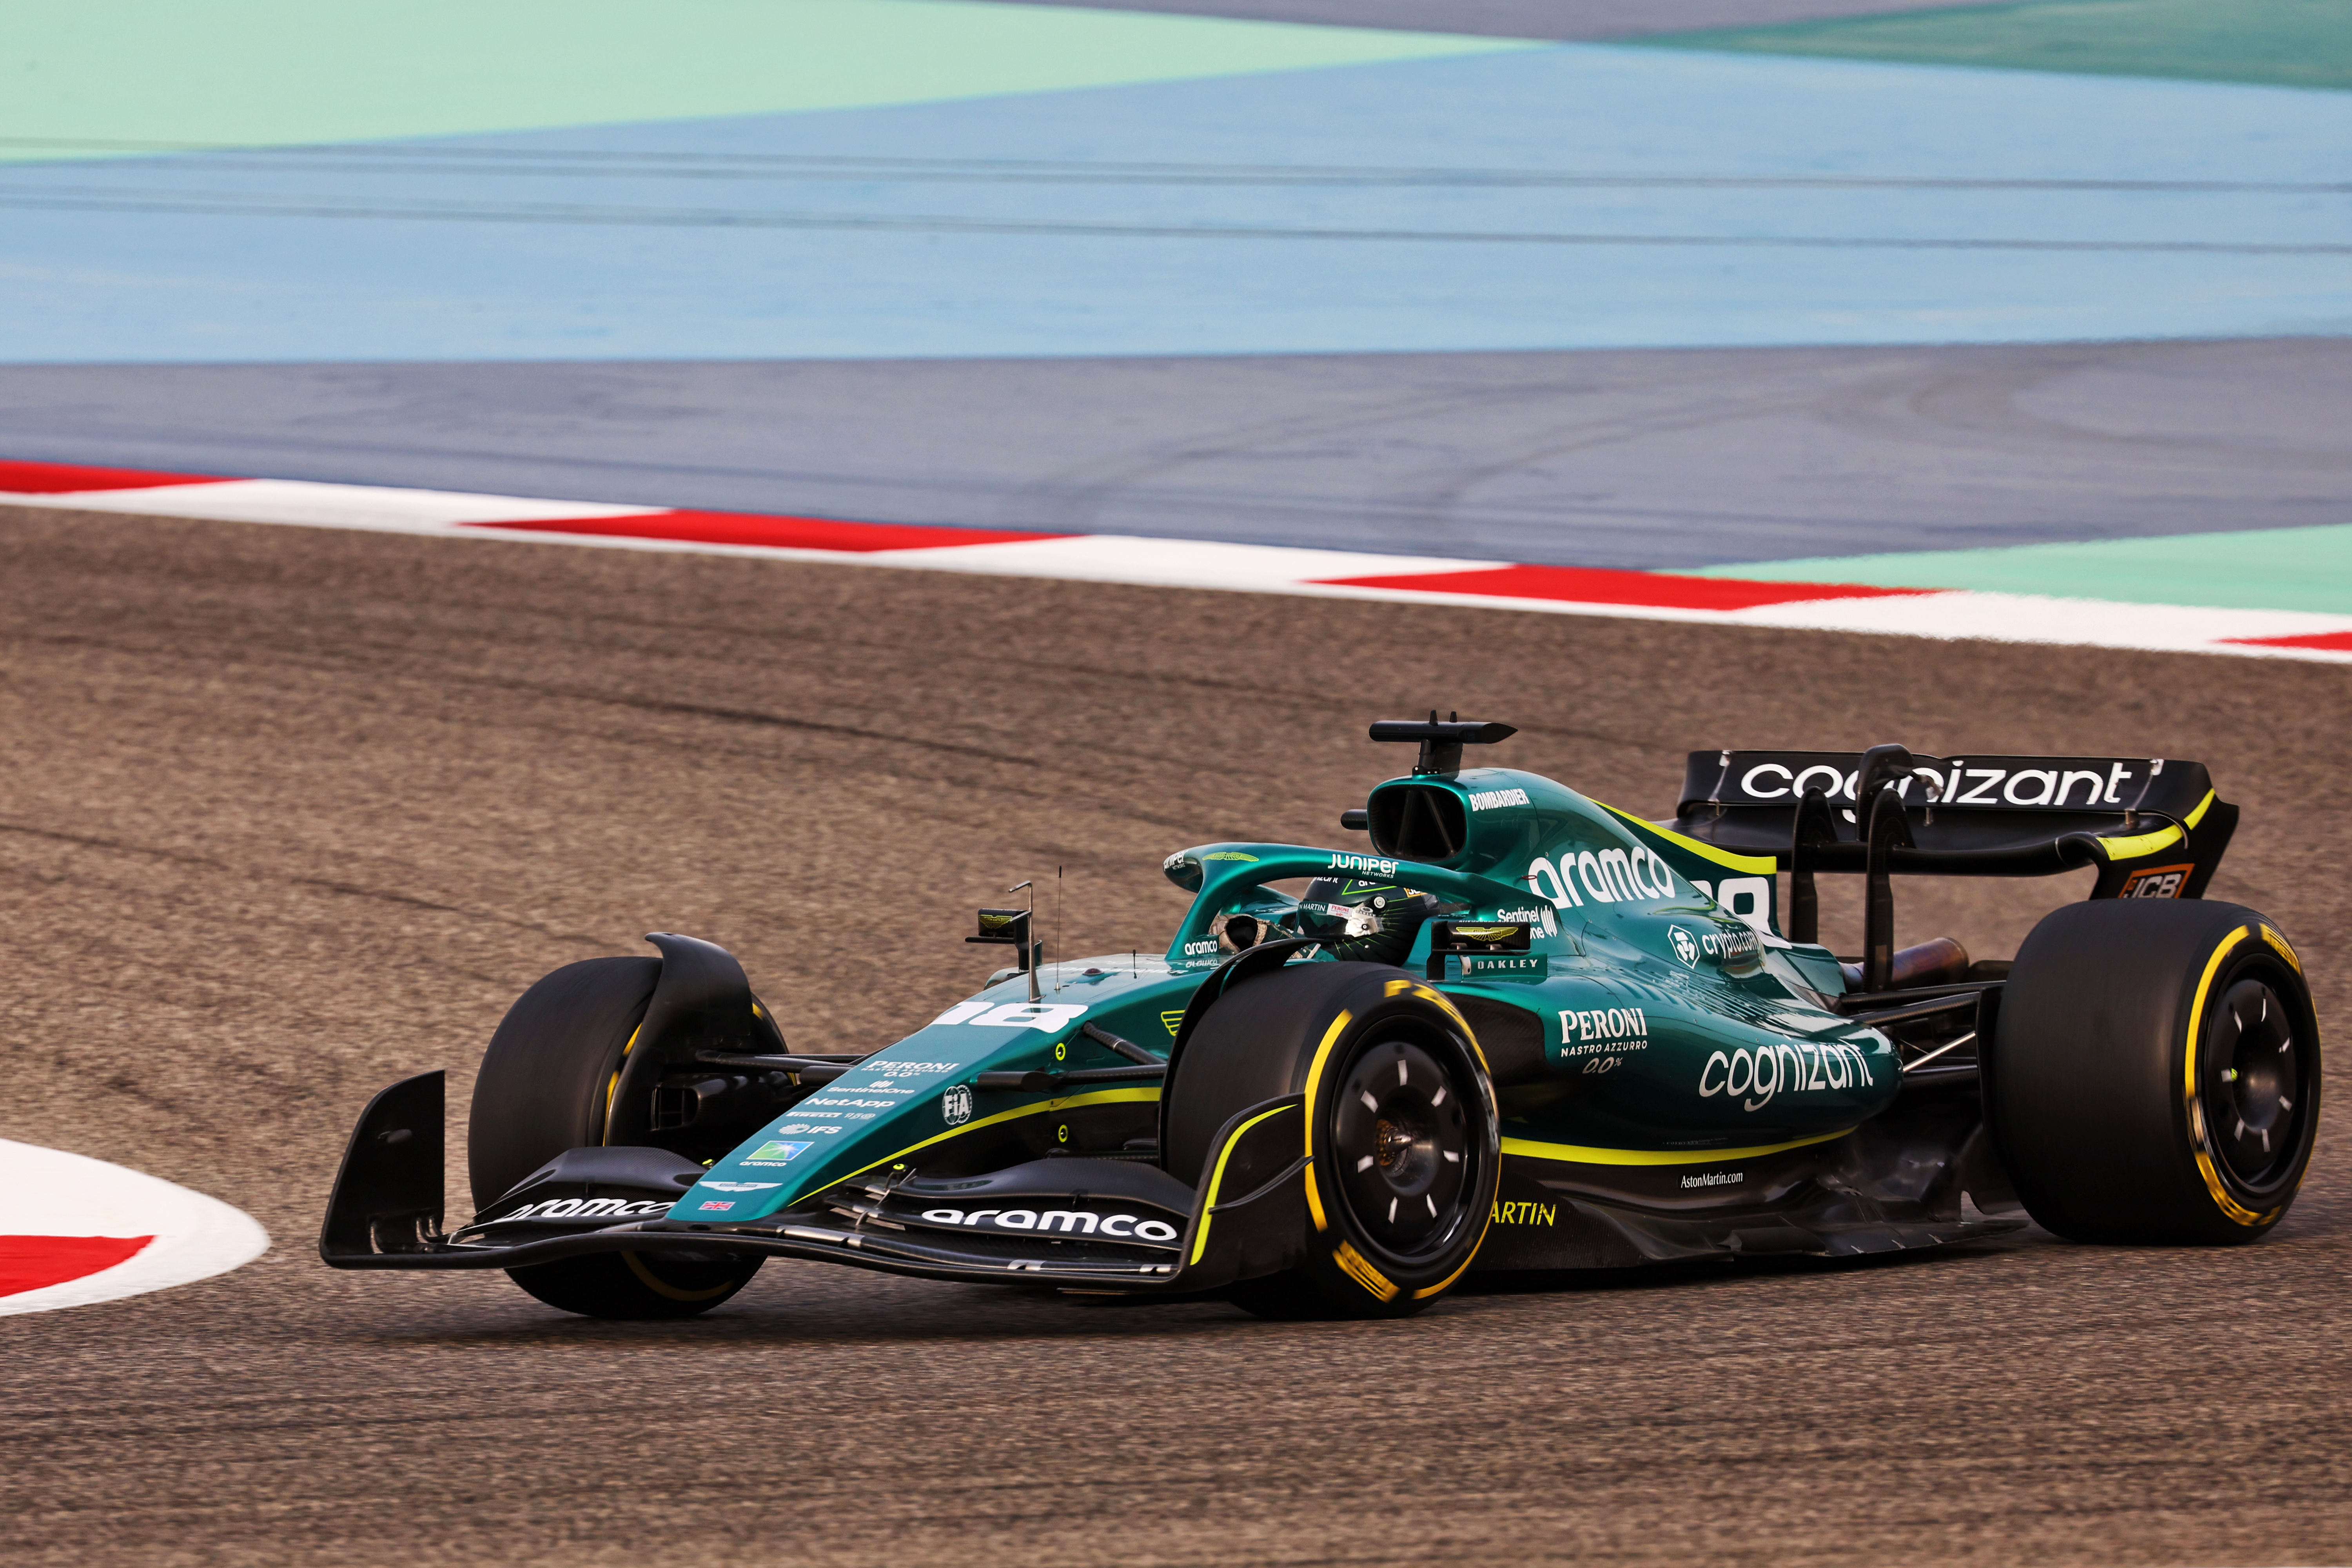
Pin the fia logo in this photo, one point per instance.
(956, 1105)
(1685, 947)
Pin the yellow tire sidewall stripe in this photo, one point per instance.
(661, 1287)
(2199, 1140)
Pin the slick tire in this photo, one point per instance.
(2155, 1073)
(1400, 1132)
(543, 1087)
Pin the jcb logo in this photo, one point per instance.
(2156, 882)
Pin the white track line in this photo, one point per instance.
(47, 1192)
(1945, 614)
(307, 505)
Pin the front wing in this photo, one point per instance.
(387, 1209)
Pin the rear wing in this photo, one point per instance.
(2154, 826)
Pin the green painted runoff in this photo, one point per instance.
(2262, 569)
(84, 78)
(2277, 43)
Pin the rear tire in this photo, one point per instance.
(1401, 1126)
(545, 1086)
(2154, 1075)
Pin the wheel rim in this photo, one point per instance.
(2253, 1086)
(1403, 1135)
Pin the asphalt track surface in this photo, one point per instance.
(289, 815)
(1666, 459)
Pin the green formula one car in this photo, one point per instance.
(1521, 1031)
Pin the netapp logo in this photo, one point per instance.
(1065, 1222)
(1489, 799)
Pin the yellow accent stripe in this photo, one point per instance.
(1217, 1177)
(1577, 1153)
(2284, 952)
(2142, 843)
(2162, 838)
(1100, 1096)
(2197, 1137)
(1754, 865)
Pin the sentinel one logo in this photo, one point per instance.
(1604, 877)
(1489, 799)
(1753, 1078)
(1538, 917)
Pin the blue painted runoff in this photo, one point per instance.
(1571, 197)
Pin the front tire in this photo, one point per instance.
(1401, 1130)
(2156, 1071)
(546, 1085)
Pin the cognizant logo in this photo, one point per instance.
(1753, 1078)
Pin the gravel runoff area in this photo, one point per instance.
(286, 814)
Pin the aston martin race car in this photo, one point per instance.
(1515, 1030)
